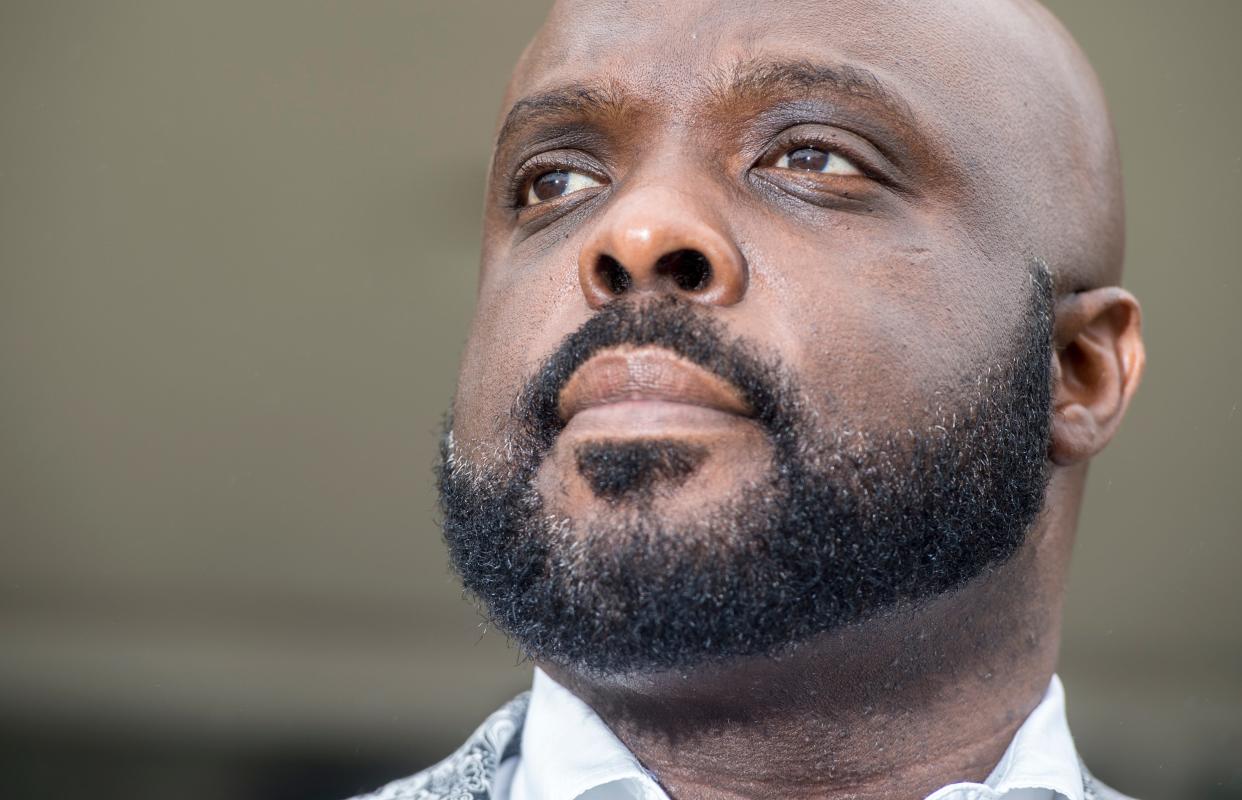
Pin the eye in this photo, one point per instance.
(813, 159)
(557, 183)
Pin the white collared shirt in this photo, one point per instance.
(568, 753)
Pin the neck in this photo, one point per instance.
(894, 708)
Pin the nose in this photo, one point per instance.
(660, 240)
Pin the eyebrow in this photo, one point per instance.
(754, 79)
(764, 78)
(581, 99)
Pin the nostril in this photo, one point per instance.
(613, 274)
(689, 269)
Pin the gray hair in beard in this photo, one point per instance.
(843, 527)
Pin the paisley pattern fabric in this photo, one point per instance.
(469, 773)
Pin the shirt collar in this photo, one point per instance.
(568, 751)
(1042, 753)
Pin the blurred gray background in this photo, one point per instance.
(237, 255)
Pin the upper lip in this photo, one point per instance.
(625, 374)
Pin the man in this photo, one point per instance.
(797, 327)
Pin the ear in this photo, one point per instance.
(1096, 368)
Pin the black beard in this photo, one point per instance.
(842, 529)
(617, 471)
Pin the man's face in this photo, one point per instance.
(759, 318)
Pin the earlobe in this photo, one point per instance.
(1097, 365)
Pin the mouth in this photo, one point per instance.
(633, 382)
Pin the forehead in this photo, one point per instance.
(937, 55)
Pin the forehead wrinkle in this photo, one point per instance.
(755, 79)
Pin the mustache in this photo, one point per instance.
(669, 322)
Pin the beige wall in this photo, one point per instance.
(237, 251)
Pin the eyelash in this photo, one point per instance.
(519, 183)
(825, 143)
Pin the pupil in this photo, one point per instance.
(808, 158)
(551, 184)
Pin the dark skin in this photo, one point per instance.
(868, 181)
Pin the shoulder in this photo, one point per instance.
(1094, 790)
(468, 773)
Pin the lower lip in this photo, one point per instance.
(650, 418)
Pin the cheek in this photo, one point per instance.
(521, 315)
(878, 328)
